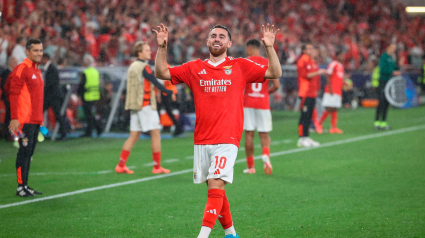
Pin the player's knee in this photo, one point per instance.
(216, 183)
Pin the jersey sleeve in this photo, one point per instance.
(253, 72)
(330, 68)
(302, 69)
(17, 82)
(180, 74)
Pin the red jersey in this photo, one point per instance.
(316, 80)
(336, 73)
(257, 94)
(25, 88)
(218, 92)
(306, 86)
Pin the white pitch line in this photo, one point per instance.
(97, 188)
(388, 133)
(61, 173)
(87, 173)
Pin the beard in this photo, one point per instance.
(217, 52)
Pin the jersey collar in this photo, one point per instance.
(217, 63)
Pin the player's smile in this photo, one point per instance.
(217, 45)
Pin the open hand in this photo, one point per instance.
(268, 35)
(161, 35)
(14, 125)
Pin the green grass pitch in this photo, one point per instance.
(363, 183)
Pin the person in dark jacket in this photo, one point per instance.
(52, 94)
(4, 73)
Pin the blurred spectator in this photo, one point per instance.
(421, 78)
(52, 94)
(4, 46)
(18, 51)
(108, 29)
(167, 102)
(4, 73)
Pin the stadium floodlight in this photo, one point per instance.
(415, 9)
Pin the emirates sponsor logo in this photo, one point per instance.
(215, 85)
(214, 82)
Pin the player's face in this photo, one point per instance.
(145, 54)
(341, 57)
(35, 53)
(392, 48)
(315, 53)
(309, 50)
(218, 42)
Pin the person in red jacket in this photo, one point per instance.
(25, 89)
(307, 69)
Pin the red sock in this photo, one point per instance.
(213, 207)
(225, 217)
(250, 161)
(334, 119)
(123, 157)
(300, 130)
(324, 116)
(314, 115)
(156, 157)
(266, 151)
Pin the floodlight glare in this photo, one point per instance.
(415, 9)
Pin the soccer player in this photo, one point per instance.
(257, 112)
(316, 80)
(388, 68)
(332, 98)
(217, 84)
(25, 89)
(141, 100)
(307, 69)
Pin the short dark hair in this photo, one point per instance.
(61, 61)
(253, 43)
(305, 45)
(222, 27)
(31, 42)
(19, 39)
(47, 56)
(339, 51)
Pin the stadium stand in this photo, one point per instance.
(107, 29)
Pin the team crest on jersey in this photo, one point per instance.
(25, 141)
(227, 69)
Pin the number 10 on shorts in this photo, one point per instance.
(222, 163)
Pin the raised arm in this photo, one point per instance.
(274, 70)
(318, 72)
(161, 68)
(275, 86)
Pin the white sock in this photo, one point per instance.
(205, 232)
(230, 230)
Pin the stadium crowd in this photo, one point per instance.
(108, 29)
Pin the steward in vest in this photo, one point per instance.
(89, 91)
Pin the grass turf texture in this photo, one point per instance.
(367, 188)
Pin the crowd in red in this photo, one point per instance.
(107, 29)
